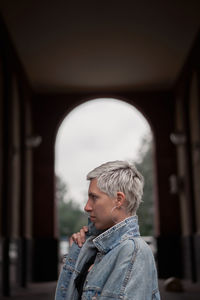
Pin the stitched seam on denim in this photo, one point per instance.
(114, 228)
(155, 291)
(130, 267)
(92, 288)
(110, 295)
(70, 268)
(98, 240)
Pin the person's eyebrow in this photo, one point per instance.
(90, 194)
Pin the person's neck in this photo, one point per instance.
(122, 217)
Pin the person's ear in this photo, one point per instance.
(120, 199)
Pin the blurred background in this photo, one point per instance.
(82, 83)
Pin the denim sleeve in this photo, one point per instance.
(133, 275)
(140, 281)
(66, 272)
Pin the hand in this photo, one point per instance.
(79, 237)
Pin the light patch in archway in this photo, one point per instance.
(95, 132)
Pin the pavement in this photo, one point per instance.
(191, 291)
(46, 291)
(34, 291)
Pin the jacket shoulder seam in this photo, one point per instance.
(130, 267)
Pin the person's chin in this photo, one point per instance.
(96, 225)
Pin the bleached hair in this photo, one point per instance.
(120, 176)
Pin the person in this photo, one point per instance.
(108, 259)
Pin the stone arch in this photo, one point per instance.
(158, 108)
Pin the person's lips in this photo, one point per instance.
(92, 218)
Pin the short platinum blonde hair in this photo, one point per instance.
(120, 176)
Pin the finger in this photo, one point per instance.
(85, 228)
(79, 239)
(82, 235)
(74, 237)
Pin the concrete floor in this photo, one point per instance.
(34, 291)
(191, 292)
(46, 291)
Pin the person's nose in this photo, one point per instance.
(88, 207)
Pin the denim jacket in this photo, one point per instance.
(124, 267)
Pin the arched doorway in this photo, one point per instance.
(158, 109)
(97, 131)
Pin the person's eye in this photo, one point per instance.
(94, 197)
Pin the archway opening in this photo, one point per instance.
(94, 132)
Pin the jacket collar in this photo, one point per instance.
(113, 236)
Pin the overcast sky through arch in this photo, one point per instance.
(93, 133)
